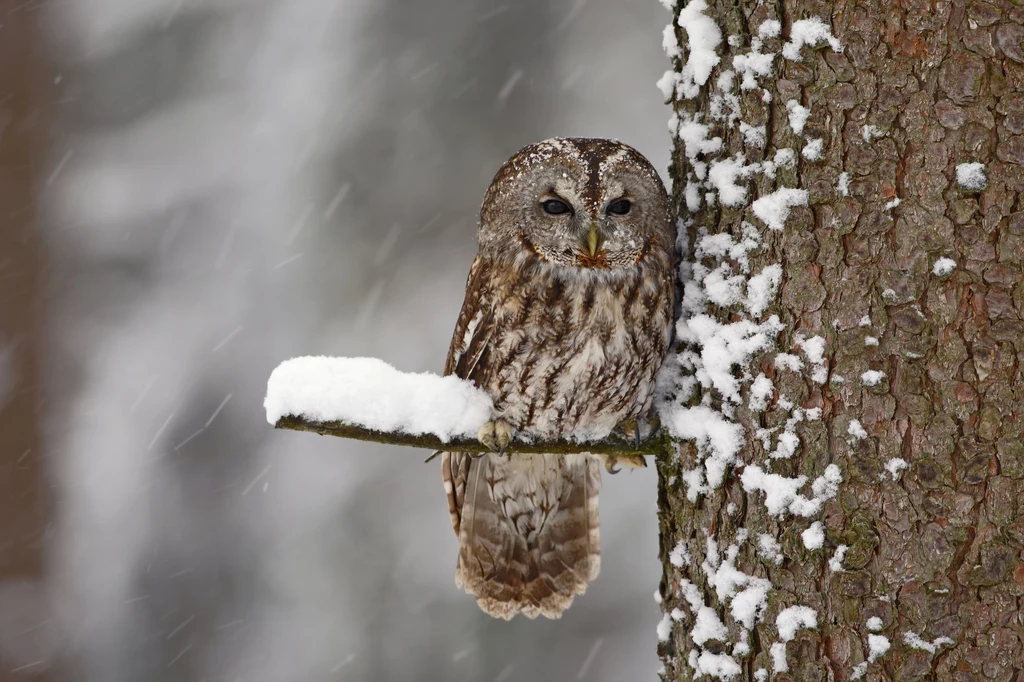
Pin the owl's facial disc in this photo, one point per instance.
(577, 204)
(573, 235)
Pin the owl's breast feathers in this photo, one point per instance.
(563, 354)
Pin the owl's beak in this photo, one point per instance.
(593, 241)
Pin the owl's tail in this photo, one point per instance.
(529, 536)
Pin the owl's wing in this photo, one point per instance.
(528, 531)
(473, 330)
(467, 360)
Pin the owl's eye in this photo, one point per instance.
(555, 207)
(620, 207)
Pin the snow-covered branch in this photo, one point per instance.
(368, 399)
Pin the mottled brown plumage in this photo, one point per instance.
(566, 321)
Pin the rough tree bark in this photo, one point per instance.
(938, 551)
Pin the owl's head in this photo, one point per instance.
(577, 203)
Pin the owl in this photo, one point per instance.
(566, 321)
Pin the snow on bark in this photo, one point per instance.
(716, 352)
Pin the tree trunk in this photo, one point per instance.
(933, 550)
(26, 631)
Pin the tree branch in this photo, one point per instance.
(657, 444)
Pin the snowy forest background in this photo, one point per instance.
(236, 182)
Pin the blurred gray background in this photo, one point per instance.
(232, 183)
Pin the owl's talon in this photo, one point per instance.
(629, 429)
(628, 461)
(495, 435)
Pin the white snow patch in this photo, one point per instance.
(798, 116)
(680, 556)
(869, 132)
(856, 431)
(914, 641)
(874, 623)
(808, 32)
(779, 662)
(752, 64)
(664, 628)
(694, 136)
(943, 267)
(726, 81)
(789, 361)
(769, 548)
(788, 443)
(971, 176)
(371, 393)
(760, 392)
(812, 150)
(762, 289)
(870, 340)
(722, 666)
(781, 494)
(693, 200)
(717, 439)
(749, 605)
(814, 537)
(877, 646)
(844, 184)
(724, 107)
(872, 377)
(859, 671)
(774, 208)
(708, 626)
(722, 175)
(784, 158)
(770, 28)
(703, 38)
(794, 618)
(814, 348)
(895, 466)
(892, 204)
(788, 622)
(714, 245)
(667, 85)
(754, 136)
(670, 43)
(865, 321)
(723, 346)
(835, 564)
(722, 287)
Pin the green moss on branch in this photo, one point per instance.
(658, 444)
